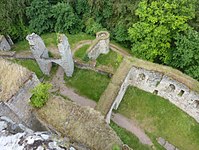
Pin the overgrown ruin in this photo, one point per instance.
(163, 81)
(100, 45)
(16, 83)
(40, 53)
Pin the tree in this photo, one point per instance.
(186, 54)
(40, 15)
(13, 18)
(66, 19)
(159, 21)
(92, 26)
(40, 95)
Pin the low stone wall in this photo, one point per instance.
(162, 85)
(100, 45)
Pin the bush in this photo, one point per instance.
(40, 16)
(66, 19)
(92, 26)
(40, 95)
(186, 55)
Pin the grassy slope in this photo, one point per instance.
(160, 118)
(31, 65)
(88, 83)
(81, 53)
(112, 59)
(128, 138)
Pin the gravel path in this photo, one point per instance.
(131, 126)
(58, 83)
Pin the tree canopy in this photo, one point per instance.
(159, 22)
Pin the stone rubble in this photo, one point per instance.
(18, 137)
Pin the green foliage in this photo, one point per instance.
(92, 26)
(32, 66)
(112, 59)
(116, 147)
(81, 53)
(160, 118)
(159, 22)
(13, 19)
(40, 95)
(66, 19)
(40, 15)
(186, 55)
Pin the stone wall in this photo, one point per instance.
(19, 104)
(100, 45)
(5, 45)
(162, 85)
(40, 53)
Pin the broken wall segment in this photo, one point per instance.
(5, 43)
(100, 45)
(40, 53)
(16, 84)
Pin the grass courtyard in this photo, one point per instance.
(88, 83)
(159, 118)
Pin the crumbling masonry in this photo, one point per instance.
(99, 46)
(40, 53)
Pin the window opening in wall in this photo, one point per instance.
(196, 104)
(155, 92)
(181, 93)
(171, 87)
(142, 76)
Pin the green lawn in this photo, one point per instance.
(112, 59)
(88, 83)
(31, 65)
(20, 46)
(128, 138)
(159, 118)
(81, 53)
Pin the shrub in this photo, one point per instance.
(40, 95)
(40, 16)
(66, 19)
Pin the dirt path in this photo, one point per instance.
(131, 126)
(58, 84)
